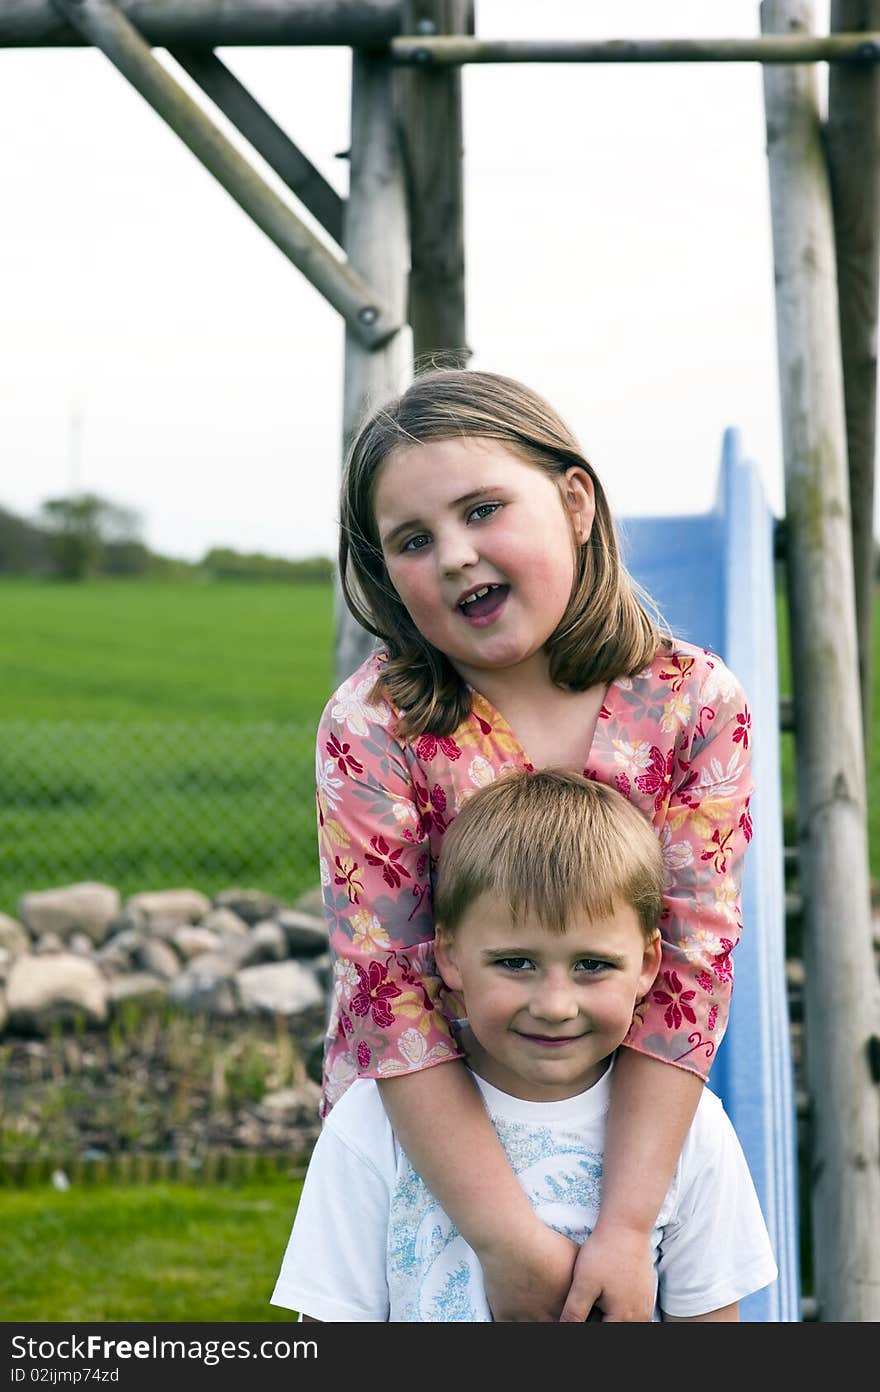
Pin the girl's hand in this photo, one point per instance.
(614, 1273)
(529, 1278)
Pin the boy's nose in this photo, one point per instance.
(553, 1000)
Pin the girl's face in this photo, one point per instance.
(480, 546)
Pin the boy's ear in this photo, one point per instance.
(650, 964)
(444, 956)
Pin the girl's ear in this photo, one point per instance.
(580, 499)
(444, 956)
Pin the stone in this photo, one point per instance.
(82, 945)
(266, 943)
(43, 991)
(47, 943)
(250, 904)
(191, 940)
(223, 922)
(311, 903)
(306, 935)
(206, 985)
(159, 958)
(278, 988)
(89, 907)
(13, 935)
(164, 908)
(136, 986)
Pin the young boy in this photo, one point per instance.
(547, 902)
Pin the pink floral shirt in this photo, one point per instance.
(674, 739)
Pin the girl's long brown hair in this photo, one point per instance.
(604, 633)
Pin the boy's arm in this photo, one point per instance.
(439, 1118)
(652, 1107)
(728, 1314)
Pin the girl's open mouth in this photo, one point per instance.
(485, 604)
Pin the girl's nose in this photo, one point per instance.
(455, 552)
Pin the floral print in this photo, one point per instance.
(675, 739)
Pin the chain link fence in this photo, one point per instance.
(146, 806)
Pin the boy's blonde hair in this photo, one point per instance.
(605, 633)
(553, 844)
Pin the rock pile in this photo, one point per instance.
(74, 954)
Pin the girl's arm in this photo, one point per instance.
(705, 828)
(652, 1107)
(441, 1123)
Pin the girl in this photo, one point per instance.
(477, 544)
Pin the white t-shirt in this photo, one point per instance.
(370, 1242)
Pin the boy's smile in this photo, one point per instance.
(545, 1008)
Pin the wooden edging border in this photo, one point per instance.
(209, 1167)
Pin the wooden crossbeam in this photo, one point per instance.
(215, 23)
(265, 135)
(107, 28)
(783, 48)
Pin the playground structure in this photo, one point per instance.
(400, 267)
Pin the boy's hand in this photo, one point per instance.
(529, 1280)
(614, 1273)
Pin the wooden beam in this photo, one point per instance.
(840, 48)
(431, 130)
(105, 26)
(853, 144)
(840, 985)
(215, 23)
(265, 135)
(376, 239)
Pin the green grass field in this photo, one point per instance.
(154, 651)
(156, 734)
(191, 1253)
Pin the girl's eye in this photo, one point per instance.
(416, 543)
(482, 510)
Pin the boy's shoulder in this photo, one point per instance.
(359, 1121)
(711, 1132)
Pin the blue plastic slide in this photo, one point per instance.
(712, 577)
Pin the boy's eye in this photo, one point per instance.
(514, 964)
(590, 965)
(416, 543)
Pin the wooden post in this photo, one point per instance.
(431, 129)
(840, 987)
(853, 143)
(376, 240)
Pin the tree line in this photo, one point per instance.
(83, 535)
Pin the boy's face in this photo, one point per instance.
(545, 1009)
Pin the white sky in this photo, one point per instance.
(157, 349)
